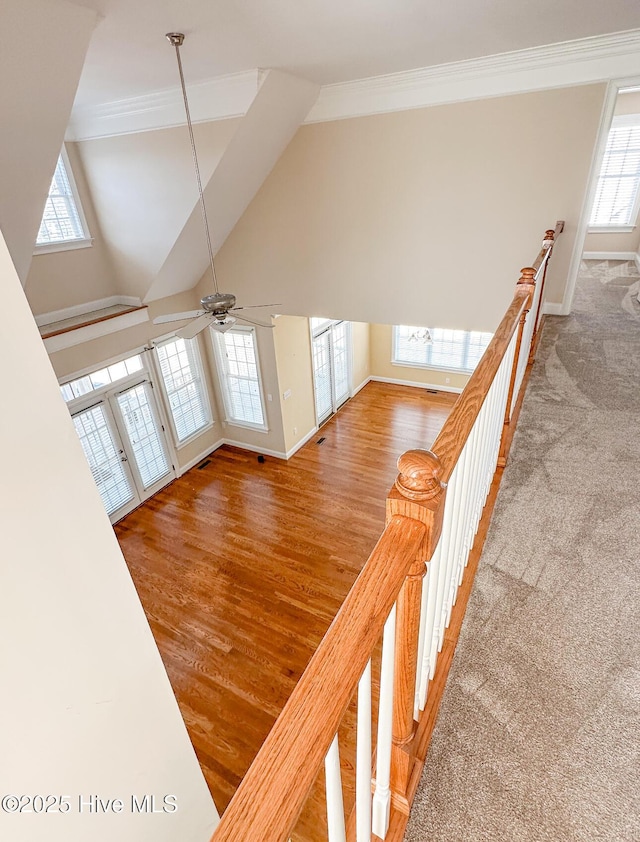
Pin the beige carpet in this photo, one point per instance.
(539, 731)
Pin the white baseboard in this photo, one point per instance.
(609, 255)
(193, 462)
(301, 443)
(89, 307)
(361, 386)
(279, 454)
(455, 389)
(551, 308)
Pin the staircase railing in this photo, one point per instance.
(412, 590)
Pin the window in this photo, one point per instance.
(99, 379)
(63, 224)
(455, 350)
(618, 192)
(184, 386)
(237, 359)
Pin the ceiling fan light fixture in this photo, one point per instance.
(222, 325)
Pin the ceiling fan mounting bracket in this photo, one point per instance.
(176, 39)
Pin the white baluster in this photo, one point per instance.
(363, 758)
(382, 794)
(335, 807)
(431, 585)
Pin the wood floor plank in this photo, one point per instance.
(242, 565)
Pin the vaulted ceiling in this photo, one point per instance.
(327, 42)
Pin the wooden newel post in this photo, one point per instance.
(526, 281)
(419, 494)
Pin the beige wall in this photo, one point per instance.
(613, 242)
(89, 696)
(361, 354)
(381, 365)
(424, 215)
(60, 279)
(295, 374)
(144, 191)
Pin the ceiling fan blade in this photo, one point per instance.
(253, 307)
(178, 317)
(257, 324)
(194, 327)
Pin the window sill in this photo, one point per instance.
(430, 367)
(258, 428)
(67, 245)
(180, 444)
(611, 229)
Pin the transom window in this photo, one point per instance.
(63, 224)
(454, 350)
(618, 192)
(238, 366)
(99, 379)
(181, 372)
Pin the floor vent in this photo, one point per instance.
(320, 440)
(432, 391)
(204, 464)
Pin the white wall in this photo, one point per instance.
(86, 707)
(43, 48)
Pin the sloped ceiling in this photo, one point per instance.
(43, 47)
(144, 190)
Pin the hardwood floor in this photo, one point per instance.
(242, 565)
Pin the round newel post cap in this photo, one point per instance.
(527, 275)
(420, 475)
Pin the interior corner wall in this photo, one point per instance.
(425, 215)
(271, 441)
(292, 340)
(61, 279)
(361, 354)
(89, 710)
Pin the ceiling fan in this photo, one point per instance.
(216, 309)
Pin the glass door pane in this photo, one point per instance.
(106, 459)
(340, 337)
(322, 375)
(145, 437)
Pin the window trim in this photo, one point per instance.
(428, 366)
(67, 245)
(622, 120)
(248, 425)
(157, 372)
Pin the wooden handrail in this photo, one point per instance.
(298, 742)
(453, 436)
(274, 790)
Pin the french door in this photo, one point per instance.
(331, 368)
(124, 443)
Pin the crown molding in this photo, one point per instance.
(213, 99)
(586, 60)
(597, 59)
